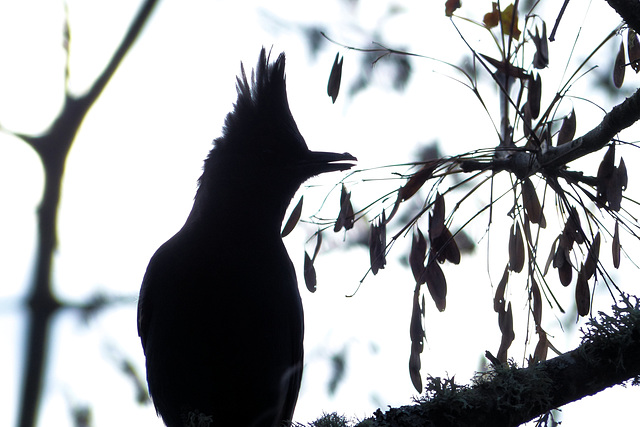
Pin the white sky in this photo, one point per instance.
(132, 173)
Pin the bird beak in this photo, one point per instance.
(317, 162)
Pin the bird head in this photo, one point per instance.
(261, 150)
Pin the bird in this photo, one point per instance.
(219, 314)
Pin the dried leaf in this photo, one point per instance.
(346, 216)
(492, 19)
(333, 87)
(534, 95)
(414, 370)
(531, 203)
(508, 335)
(417, 256)
(633, 50)
(540, 353)
(450, 6)
(309, 273)
(293, 219)
(568, 129)
(378, 245)
(318, 244)
(436, 218)
(615, 247)
(565, 272)
(510, 22)
(417, 334)
(550, 258)
(537, 302)
(416, 181)
(436, 283)
(516, 249)
(541, 57)
(618, 68)
(592, 257)
(498, 299)
(582, 294)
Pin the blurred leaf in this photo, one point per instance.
(568, 129)
(618, 68)
(333, 86)
(293, 219)
(309, 273)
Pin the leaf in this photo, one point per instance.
(416, 181)
(436, 218)
(450, 6)
(633, 50)
(540, 353)
(318, 244)
(417, 334)
(436, 283)
(417, 256)
(346, 216)
(618, 68)
(510, 22)
(333, 87)
(592, 257)
(414, 370)
(498, 299)
(516, 249)
(378, 245)
(534, 95)
(508, 335)
(293, 219)
(582, 294)
(537, 302)
(615, 247)
(531, 203)
(550, 258)
(309, 273)
(541, 57)
(492, 19)
(565, 273)
(568, 129)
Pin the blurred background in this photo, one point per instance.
(132, 172)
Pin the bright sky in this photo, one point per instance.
(132, 173)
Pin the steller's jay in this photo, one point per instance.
(219, 313)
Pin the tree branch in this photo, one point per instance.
(608, 355)
(53, 148)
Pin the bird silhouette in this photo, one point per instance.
(219, 314)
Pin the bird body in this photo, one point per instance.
(219, 313)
